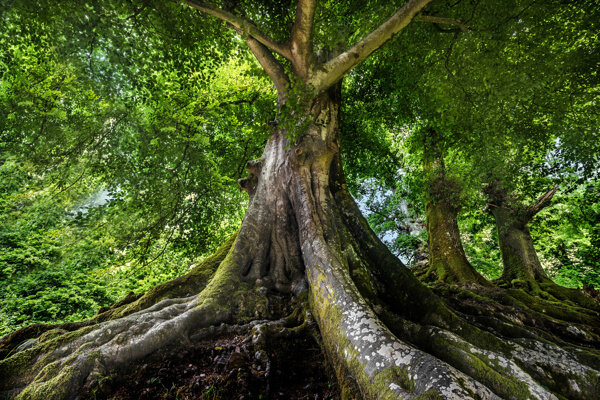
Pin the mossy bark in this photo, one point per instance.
(519, 258)
(522, 267)
(447, 259)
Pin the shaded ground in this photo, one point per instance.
(230, 367)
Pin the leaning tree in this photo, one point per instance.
(385, 333)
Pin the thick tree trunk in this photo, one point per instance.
(300, 184)
(522, 266)
(519, 257)
(386, 334)
(447, 259)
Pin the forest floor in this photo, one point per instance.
(229, 367)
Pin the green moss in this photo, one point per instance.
(394, 374)
(520, 284)
(23, 366)
(479, 366)
(429, 395)
(51, 334)
(192, 282)
(346, 360)
(54, 388)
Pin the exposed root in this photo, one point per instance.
(191, 283)
(58, 365)
(514, 311)
(541, 356)
(230, 361)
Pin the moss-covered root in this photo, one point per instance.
(359, 345)
(519, 369)
(184, 286)
(59, 366)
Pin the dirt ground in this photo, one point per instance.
(230, 367)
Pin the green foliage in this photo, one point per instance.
(571, 257)
(294, 116)
(509, 98)
(44, 264)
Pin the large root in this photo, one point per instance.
(191, 283)
(58, 363)
(231, 361)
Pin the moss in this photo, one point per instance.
(485, 370)
(363, 282)
(520, 284)
(394, 374)
(226, 292)
(192, 282)
(25, 365)
(345, 359)
(555, 309)
(55, 388)
(429, 395)
(51, 334)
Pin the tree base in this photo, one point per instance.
(264, 359)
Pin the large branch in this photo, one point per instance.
(333, 70)
(301, 42)
(241, 24)
(542, 202)
(271, 66)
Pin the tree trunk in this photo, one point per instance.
(519, 257)
(446, 254)
(386, 334)
(522, 266)
(447, 259)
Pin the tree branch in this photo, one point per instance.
(443, 21)
(301, 44)
(333, 70)
(542, 202)
(271, 66)
(241, 25)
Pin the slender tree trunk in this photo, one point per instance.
(447, 259)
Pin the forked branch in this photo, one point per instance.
(272, 67)
(333, 70)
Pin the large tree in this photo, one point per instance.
(385, 333)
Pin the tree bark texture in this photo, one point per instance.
(447, 259)
(385, 333)
(519, 257)
(446, 254)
